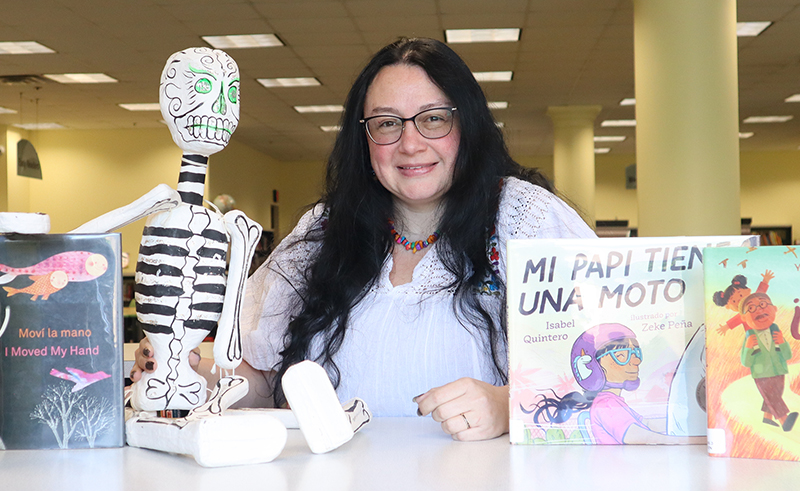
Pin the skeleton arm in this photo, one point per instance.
(160, 198)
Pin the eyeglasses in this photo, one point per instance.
(431, 123)
(761, 305)
(633, 350)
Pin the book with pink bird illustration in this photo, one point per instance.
(753, 351)
(606, 340)
(61, 382)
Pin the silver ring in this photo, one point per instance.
(466, 420)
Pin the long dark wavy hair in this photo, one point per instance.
(354, 236)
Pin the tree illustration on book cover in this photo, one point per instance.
(60, 335)
(752, 300)
(606, 340)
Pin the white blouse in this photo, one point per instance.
(401, 340)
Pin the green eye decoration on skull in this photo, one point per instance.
(203, 86)
(232, 94)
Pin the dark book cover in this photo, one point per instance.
(61, 382)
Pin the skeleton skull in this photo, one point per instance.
(199, 99)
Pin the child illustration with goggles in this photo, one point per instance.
(605, 362)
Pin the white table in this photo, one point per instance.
(407, 454)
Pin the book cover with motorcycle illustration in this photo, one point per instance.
(606, 339)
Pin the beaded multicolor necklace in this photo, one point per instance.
(412, 246)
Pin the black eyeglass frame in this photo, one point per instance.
(403, 124)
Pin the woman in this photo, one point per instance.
(394, 281)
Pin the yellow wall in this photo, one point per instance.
(770, 189)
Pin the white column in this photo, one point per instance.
(573, 155)
(687, 144)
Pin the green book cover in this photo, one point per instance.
(752, 298)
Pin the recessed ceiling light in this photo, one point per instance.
(767, 119)
(39, 126)
(747, 134)
(747, 29)
(23, 48)
(144, 106)
(243, 41)
(330, 129)
(289, 82)
(5, 110)
(618, 122)
(498, 105)
(792, 98)
(81, 78)
(500, 124)
(628, 101)
(609, 138)
(481, 35)
(493, 76)
(602, 150)
(330, 108)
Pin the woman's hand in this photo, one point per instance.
(144, 360)
(468, 409)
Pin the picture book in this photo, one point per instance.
(606, 339)
(60, 341)
(752, 298)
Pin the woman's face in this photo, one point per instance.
(416, 170)
(622, 364)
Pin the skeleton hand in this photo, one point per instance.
(145, 360)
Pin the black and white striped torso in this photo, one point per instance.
(180, 278)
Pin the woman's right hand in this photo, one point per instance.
(143, 360)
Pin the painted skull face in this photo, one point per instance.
(199, 99)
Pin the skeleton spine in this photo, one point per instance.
(192, 181)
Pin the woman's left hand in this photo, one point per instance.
(468, 409)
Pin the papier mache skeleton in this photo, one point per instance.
(181, 287)
(181, 291)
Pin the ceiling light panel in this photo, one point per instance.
(81, 78)
(628, 101)
(330, 108)
(602, 150)
(749, 29)
(330, 129)
(610, 123)
(23, 48)
(502, 76)
(607, 139)
(792, 98)
(5, 110)
(145, 106)
(482, 35)
(39, 126)
(243, 41)
(767, 119)
(745, 135)
(498, 105)
(289, 82)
